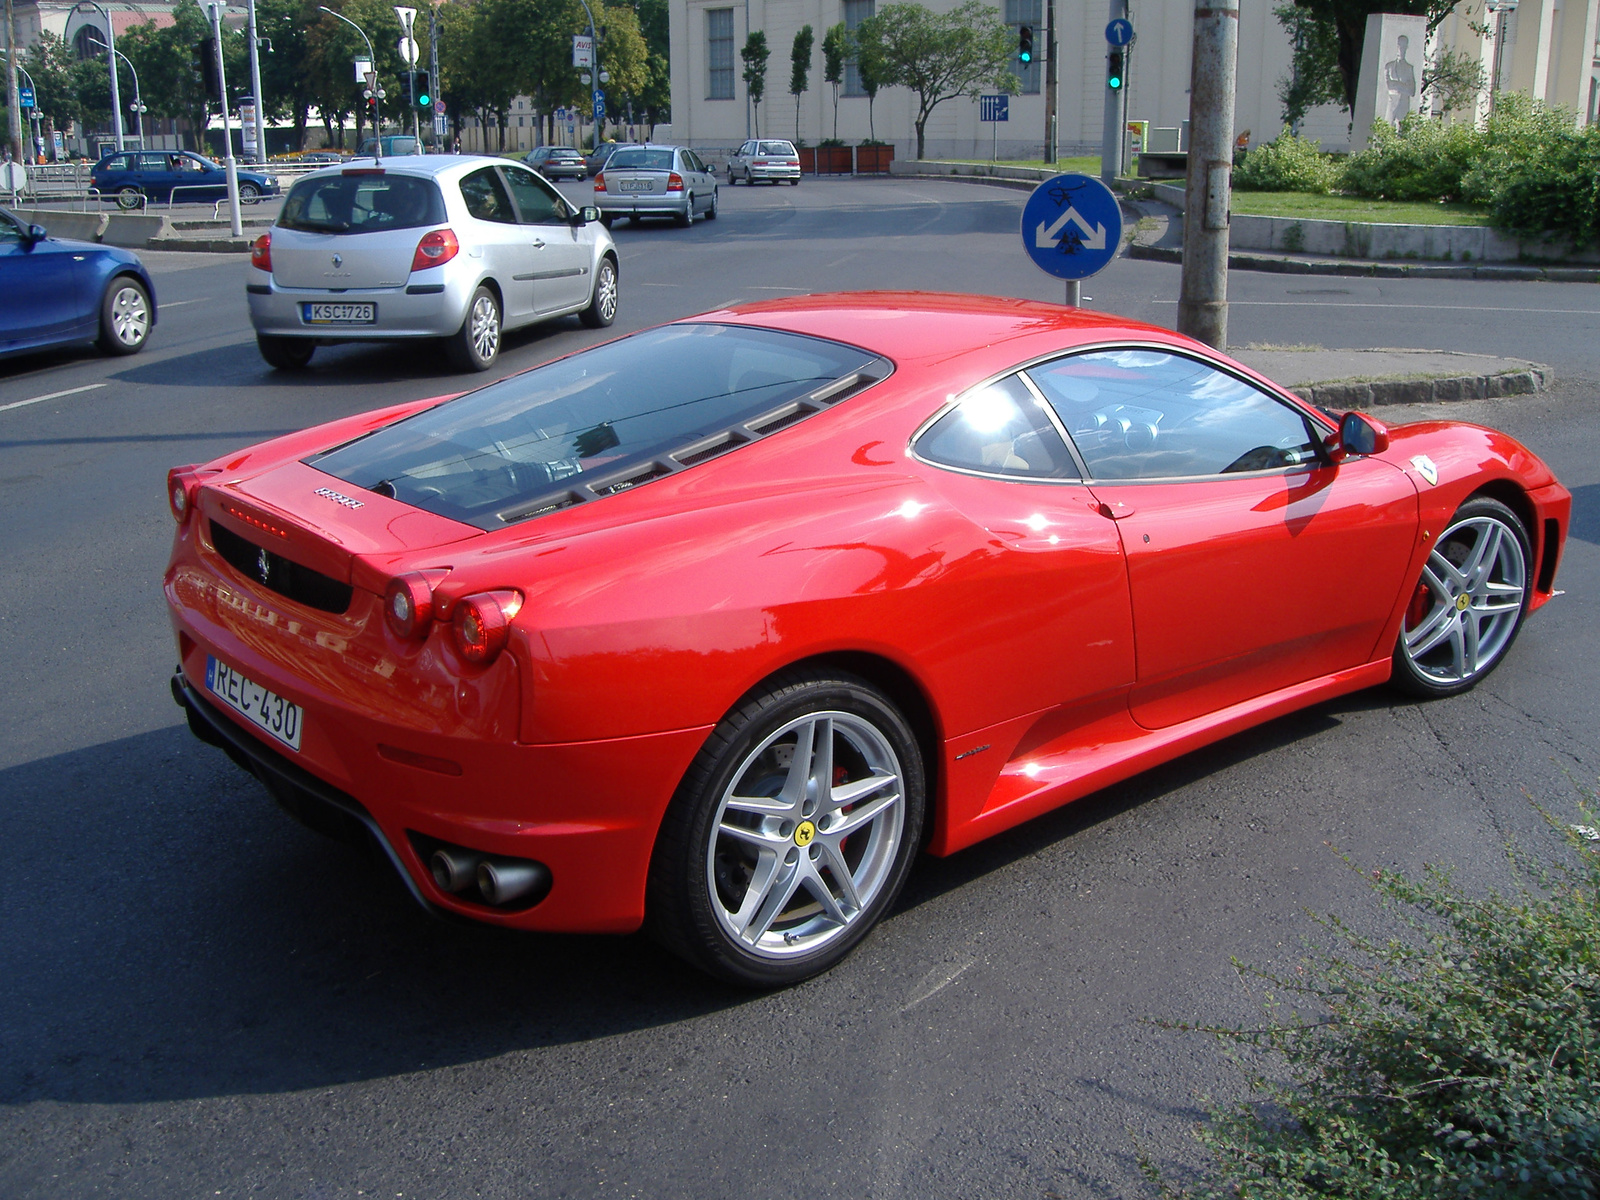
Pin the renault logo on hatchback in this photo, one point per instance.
(338, 260)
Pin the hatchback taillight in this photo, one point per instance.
(674, 182)
(435, 249)
(183, 484)
(482, 624)
(760, 162)
(261, 253)
(408, 605)
(600, 182)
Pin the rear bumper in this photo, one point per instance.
(426, 306)
(774, 172)
(622, 205)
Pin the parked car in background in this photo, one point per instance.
(656, 181)
(135, 177)
(596, 162)
(767, 159)
(394, 145)
(54, 291)
(447, 246)
(557, 162)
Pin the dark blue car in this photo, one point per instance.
(134, 176)
(54, 291)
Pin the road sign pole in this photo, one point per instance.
(1052, 149)
(230, 162)
(1074, 292)
(433, 72)
(1111, 139)
(1203, 298)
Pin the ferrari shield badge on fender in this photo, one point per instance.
(1426, 468)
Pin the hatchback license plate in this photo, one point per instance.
(266, 710)
(339, 314)
(634, 185)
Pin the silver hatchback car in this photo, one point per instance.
(450, 247)
(655, 181)
(764, 158)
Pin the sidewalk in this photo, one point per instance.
(1346, 379)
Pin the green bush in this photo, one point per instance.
(1425, 160)
(1286, 164)
(1461, 1060)
(1538, 173)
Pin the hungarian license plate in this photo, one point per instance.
(266, 710)
(635, 185)
(339, 314)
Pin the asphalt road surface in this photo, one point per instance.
(199, 998)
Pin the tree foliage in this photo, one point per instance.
(800, 69)
(835, 49)
(755, 53)
(1327, 37)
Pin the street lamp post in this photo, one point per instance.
(255, 89)
(230, 162)
(111, 65)
(138, 107)
(372, 82)
(594, 64)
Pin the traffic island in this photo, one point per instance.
(1355, 379)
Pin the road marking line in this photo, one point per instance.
(756, 287)
(1570, 312)
(88, 387)
(181, 303)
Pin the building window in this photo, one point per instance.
(855, 12)
(1018, 14)
(719, 42)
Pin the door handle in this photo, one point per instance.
(538, 243)
(1114, 510)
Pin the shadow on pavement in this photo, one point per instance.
(1586, 513)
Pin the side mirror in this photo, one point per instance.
(36, 233)
(1360, 434)
(587, 215)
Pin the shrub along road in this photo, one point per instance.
(200, 998)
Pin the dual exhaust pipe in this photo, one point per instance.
(499, 882)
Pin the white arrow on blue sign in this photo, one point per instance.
(1072, 226)
(1119, 32)
(599, 107)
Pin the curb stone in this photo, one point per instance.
(1242, 261)
(1380, 392)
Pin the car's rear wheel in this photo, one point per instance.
(125, 316)
(477, 344)
(249, 193)
(686, 217)
(1468, 605)
(711, 213)
(607, 220)
(129, 197)
(792, 832)
(602, 308)
(794, 183)
(285, 353)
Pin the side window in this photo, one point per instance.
(1000, 430)
(486, 197)
(152, 162)
(536, 201)
(119, 163)
(1147, 414)
(694, 161)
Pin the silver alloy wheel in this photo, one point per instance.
(806, 834)
(605, 291)
(1468, 602)
(485, 327)
(130, 315)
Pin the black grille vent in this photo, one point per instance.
(298, 583)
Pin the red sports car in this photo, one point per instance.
(715, 627)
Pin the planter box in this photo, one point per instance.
(873, 160)
(808, 160)
(834, 160)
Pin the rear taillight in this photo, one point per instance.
(760, 162)
(183, 484)
(600, 182)
(435, 249)
(408, 605)
(674, 182)
(261, 252)
(482, 624)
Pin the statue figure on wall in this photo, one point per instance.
(1400, 85)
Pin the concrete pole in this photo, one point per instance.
(1203, 300)
(231, 163)
(433, 74)
(116, 91)
(1052, 149)
(13, 99)
(1112, 138)
(255, 89)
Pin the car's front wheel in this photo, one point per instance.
(792, 832)
(602, 308)
(285, 353)
(125, 316)
(249, 193)
(477, 344)
(129, 197)
(1467, 607)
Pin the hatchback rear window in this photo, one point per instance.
(366, 203)
(776, 148)
(641, 160)
(601, 421)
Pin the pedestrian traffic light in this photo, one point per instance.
(205, 62)
(421, 95)
(1025, 44)
(1115, 75)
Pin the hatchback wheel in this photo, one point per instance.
(129, 197)
(477, 344)
(602, 308)
(285, 353)
(124, 316)
(792, 833)
(1468, 605)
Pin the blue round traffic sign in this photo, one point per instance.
(1119, 32)
(1071, 226)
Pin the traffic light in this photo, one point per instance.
(421, 94)
(1025, 44)
(1116, 76)
(205, 62)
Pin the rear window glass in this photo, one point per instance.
(641, 160)
(362, 204)
(776, 148)
(600, 421)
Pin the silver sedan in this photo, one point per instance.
(450, 247)
(656, 181)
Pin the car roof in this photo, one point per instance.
(426, 165)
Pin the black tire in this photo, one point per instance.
(794, 183)
(686, 217)
(129, 197)
(285, 353)
(711, 213)
(607, 220)
(602, 308)
(702, 878)
(126, 316)
(249, 193)
(476, 345)
(1466, 609)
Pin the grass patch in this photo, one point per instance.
(1305, 206)
(1088, 164)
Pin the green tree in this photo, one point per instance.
(870, 69)
(1341, 26)
(656, 96)
(939, 56)
(285, 74)
(166, 59)
(53, 67)
(800, 70)
(835, 49)
(755, 55)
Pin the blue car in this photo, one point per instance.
(135, 176)
(54, 291)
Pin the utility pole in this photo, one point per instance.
(433, 72)
(1052, 146)
(13, 99)
(1112, 137)
(231, 163)
(1203, 300)
(255, 89)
